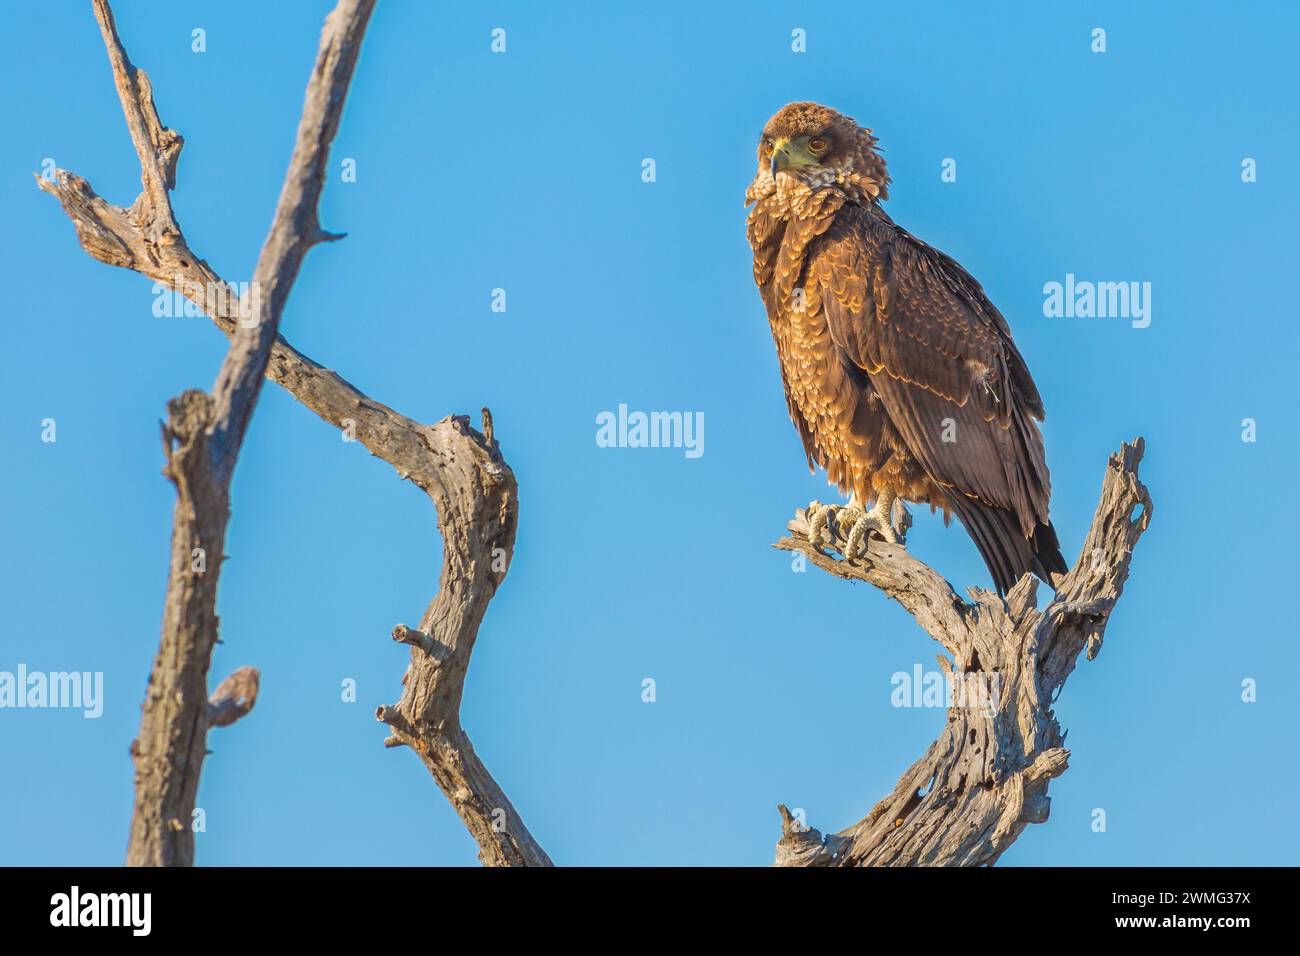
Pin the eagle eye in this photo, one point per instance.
(767, 147)
(817, 144)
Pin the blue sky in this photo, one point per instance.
(522, 171)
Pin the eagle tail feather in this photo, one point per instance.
(1005, 550)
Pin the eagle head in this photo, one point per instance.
(817, 146)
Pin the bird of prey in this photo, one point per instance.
(900, 375)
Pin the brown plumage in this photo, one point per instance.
(900, 375)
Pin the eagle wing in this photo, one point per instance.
(939, 355)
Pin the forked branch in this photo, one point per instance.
(461, 470)
(203, 432)
(985, 779)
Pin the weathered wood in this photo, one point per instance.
(477, 501)
(985, 779)
(462, 470)
(204, 432)
(234, 697)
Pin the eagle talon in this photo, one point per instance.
(870, 521)
(856, 520)
(820, 517)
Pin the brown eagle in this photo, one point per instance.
(900, 375)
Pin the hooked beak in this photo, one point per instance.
(780, 156)
(788, 155)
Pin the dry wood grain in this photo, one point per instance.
(460, 469)
(472, 488)
(985, 779)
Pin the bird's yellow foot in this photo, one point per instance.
(820, 517)
(858, 522)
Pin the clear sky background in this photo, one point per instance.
(522, 171)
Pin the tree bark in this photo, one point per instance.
(461, 469)
(962, 803)
(985, 779)
(204, 432)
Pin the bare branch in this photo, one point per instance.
(294, 230)
(405, 635)
(985, 779)
(477, 501)
(203, 433)
(234, 697)
(801, 845)
(921, 590)
(158, 147)
(472, 488)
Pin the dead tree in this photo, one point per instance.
(985, 779)
(962, 803)
(460, 468)
(204, 431)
